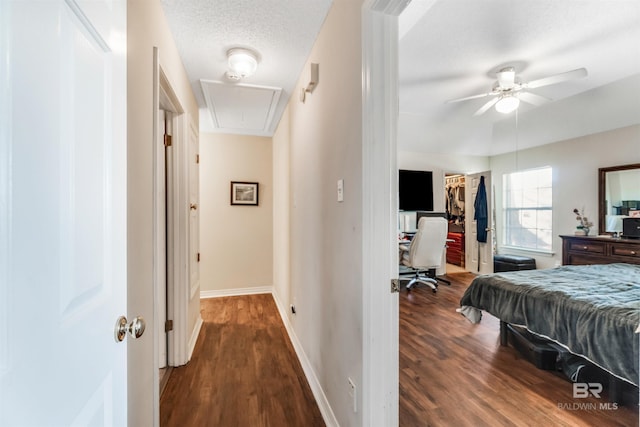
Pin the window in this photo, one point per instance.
(528, 209)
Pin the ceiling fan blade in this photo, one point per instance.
(557, 78)
(469, 97)
(532, 98)
(485, 107)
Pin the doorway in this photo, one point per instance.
(170, 232)
(455, 208)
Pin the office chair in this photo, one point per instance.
(425, 253)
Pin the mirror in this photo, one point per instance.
(618, 195)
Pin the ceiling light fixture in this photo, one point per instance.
(507, 103)
(242, 63)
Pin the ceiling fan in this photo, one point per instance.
(508, 91)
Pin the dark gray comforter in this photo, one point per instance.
(594, 310)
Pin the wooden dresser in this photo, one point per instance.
(580, 250)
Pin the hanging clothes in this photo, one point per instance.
(481, 214)
(454, 198)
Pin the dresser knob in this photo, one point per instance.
(633, 252)
(585, 248)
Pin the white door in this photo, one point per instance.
(62, 212)
(478, 256)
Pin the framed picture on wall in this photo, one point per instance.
(244, 193)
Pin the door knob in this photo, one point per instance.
(135, 328)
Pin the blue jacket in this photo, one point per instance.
(481, 212)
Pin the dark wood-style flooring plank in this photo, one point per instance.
(244, 371)
(454, 373)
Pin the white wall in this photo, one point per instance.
(236, 242)
(439, 164)
(324, 145)
(147, 27)
(575, 164)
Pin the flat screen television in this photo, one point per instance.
(415, 190)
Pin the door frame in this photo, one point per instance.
(5, 189)
(379, 211)
(177, 238)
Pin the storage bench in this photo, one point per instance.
(512, 263)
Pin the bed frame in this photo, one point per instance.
(608, 304)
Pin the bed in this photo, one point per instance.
(592, 310)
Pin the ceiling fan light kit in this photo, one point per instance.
(507, 104)
(510, 90)
(242, 63)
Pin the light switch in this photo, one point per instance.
(341, 190)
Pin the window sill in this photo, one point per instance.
(517, 249)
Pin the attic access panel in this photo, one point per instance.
(240, 107)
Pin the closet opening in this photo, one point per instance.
(454, 188)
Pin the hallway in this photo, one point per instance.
(244, 371)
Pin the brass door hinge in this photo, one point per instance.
(167, 140)
(168, 325)
(197, 158)
(198, 256)
(395, 286)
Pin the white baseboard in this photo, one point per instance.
(321, 399)
(235, 292)
(194, 337)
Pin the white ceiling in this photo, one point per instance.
(448, 49)
(451, 49)
(282, 32)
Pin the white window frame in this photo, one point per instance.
(506, 210)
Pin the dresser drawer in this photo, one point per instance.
(599, 250)
(591, 247)
(626, 251)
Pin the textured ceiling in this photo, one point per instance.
(281, 31)
(448, 49)
(452, 49)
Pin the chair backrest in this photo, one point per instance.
(428, 243)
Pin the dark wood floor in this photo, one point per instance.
(454, 373)
(244, 371)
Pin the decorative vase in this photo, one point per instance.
(586, 231)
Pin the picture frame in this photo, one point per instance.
(244, 193)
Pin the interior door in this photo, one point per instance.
(62, 212)
(478, 255)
